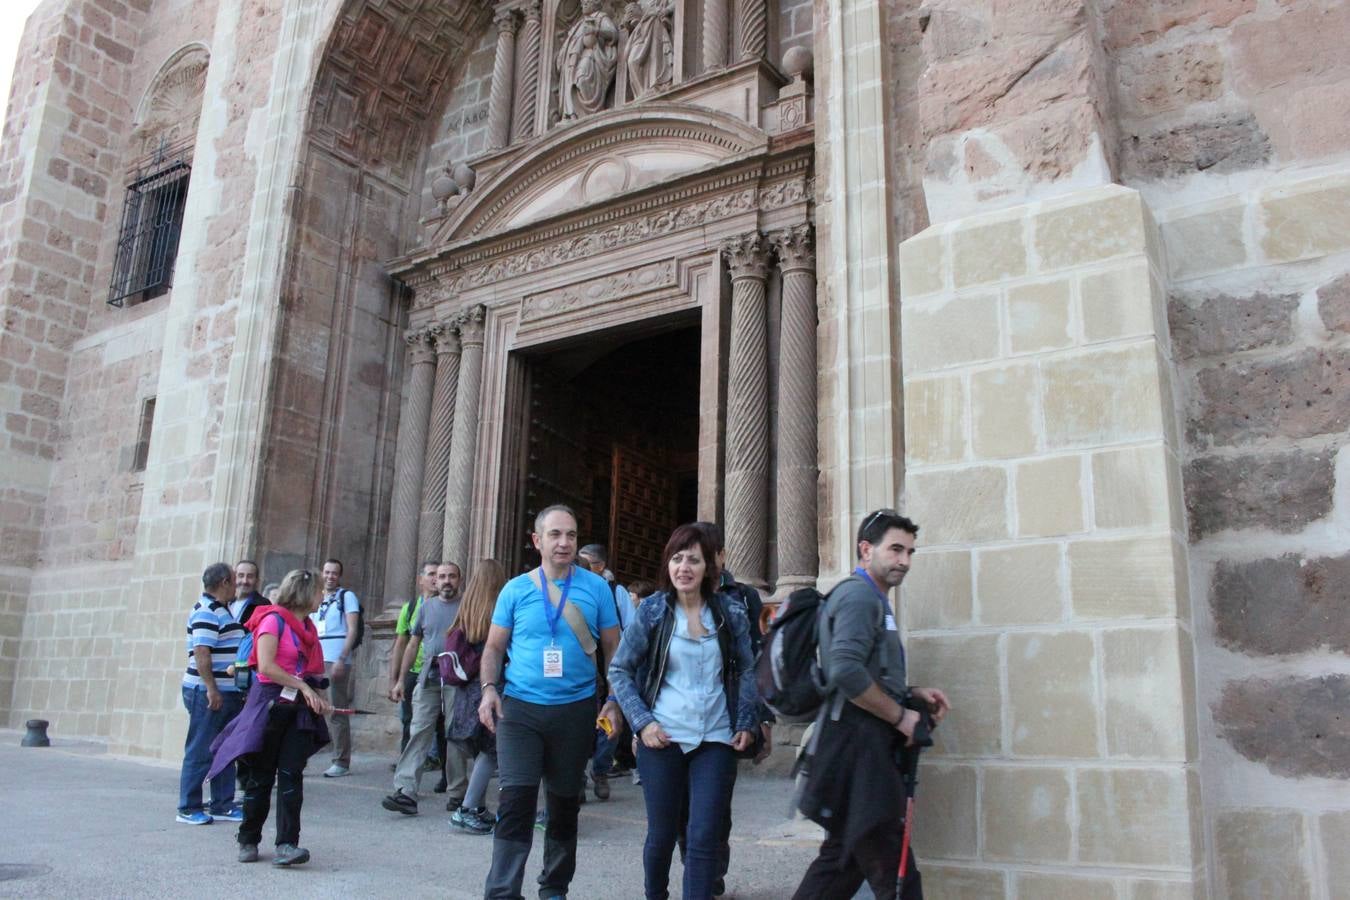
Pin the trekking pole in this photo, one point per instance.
(909, 773)
(352, 712)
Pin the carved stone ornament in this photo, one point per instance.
(470, 325)
(651, 49)
(796, 247)
(420, 349)
(599, 290)
(785, 193)
(174, 104)
(445, 337)
(622, 234)
(587, 61)
(747, 256)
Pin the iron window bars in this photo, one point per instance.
(152, 222)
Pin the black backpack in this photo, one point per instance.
(360, 617)
(788, 672)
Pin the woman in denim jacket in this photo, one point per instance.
(685, 677)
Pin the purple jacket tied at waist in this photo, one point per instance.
(244, 734)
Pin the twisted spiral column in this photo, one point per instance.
(747, 475)
(400, 564)
(754, 29)
(715, 20)
(464, 443)
(503, 72)
(431, 527)
(528, 50)
(798, 558)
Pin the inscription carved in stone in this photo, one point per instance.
(599, 290)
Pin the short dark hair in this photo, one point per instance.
(342, 570)
(217, 574)
(714, 534)
(641, 588)
(430, 562)
(877, 523)
(683, 538)
(451, 562)
(248, 562)
(552, 508)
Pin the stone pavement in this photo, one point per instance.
(78, 822)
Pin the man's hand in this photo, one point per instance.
(654, 737)
(908, 721)
(490, 708)
(614, 714)
(213, 699)
(767, 747)
(339, 668)
(396, 692)
(938, 705)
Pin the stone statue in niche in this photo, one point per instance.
(651, 50)
(587, 61)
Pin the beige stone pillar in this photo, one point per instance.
(1051, 596)
(752, 21)
(528, 50)
(747, 468)
(798, 558)
(463, 444)
(715, 22)
(409, 458)
(431, 527)
(503, 73)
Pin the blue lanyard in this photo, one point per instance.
(552, 613)
(862, 573)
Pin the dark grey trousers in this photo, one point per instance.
(534, 743)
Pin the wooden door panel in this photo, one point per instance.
(642, 513)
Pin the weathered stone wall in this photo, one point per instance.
(1233, 122)
(1259, 307)
(71, 93)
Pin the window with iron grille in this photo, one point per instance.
(152, 222)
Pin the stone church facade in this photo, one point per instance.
(1066, 280)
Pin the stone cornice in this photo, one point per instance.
(690, 202)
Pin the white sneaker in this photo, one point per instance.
(336, 771)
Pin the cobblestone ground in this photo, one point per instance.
(76, 822)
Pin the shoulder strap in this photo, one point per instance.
(576, 620)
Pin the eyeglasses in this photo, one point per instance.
(876, 516)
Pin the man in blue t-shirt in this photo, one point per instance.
(210, 697)
(548, 621)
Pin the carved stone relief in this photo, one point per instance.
(173, 105)
(599, 290)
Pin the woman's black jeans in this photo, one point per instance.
(669, 777)
(285, 751)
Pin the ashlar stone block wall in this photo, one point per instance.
(1260, 316)
(1050, 595)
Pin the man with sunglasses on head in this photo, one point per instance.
(857, 794)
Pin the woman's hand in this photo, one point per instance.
(317, 703)
(654, 737)
(742, 741)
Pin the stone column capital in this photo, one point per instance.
(532, 10)
(470, 324)
(747, 256)
(796, 246)
(505, 20)
(445, 337)
(420, 346)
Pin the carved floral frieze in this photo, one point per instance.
(599, 290)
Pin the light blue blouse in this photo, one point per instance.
(691, 704)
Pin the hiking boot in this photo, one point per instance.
(248, 852)
(601, 785)
(196, 817)
(290, 855)
(400, 802)
(441, 786)
(430, 764)
(470, 820)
